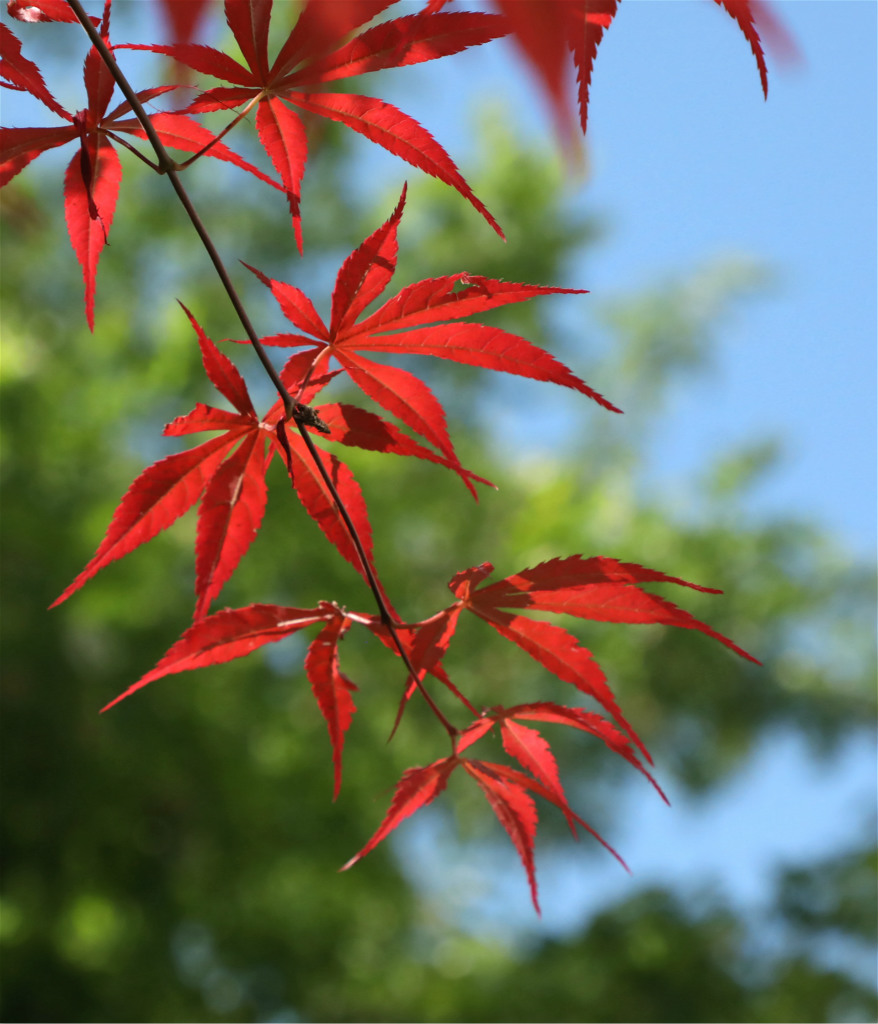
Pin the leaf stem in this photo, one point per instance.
(240, 117)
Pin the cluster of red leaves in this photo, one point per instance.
(93, 176)
(226, 475)
(599, 589)
(317, 51)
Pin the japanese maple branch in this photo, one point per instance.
(297, 411)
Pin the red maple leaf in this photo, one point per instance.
(93, 176)
(43, 10)
(229, 471)
(235, 633)
(532, 751)
(507, 791)
(600, 589)
(414, 322)
(229, 634)
(331, 687)
(546, 30)
(315, 54)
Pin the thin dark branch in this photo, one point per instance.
(300, 413)
(372, 579)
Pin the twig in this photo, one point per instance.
(303, 415)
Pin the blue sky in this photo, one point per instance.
(688, 163)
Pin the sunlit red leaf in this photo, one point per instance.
(403, 395)
(249, 21)
(42, 10)
(222, 372)
(515, 811)
(313, 55)
(321, 26)
(507, 790)
(461, 583)
(452, 297)
(562, 654)
(411, 39)
(533, 753)
(159, 496)
(91, 186)
(226, 635)
(576, 571)
(203, 417)
(421, 308)
(488, 347)
(417, 788)
(296, 306)
(351, 425)
(744, 12)
(332, 688)
(282, 135)
(397, 132)
(229, 518)
(473, 733)
(586, 721)
(208, 61)
(99, 82)
(22, 73)
(317, 499)
(601, 589)
(598, 17)
(18, 146)
(366, 272)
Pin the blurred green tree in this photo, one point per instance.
(176, 859)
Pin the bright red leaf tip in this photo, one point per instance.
(332, 688)
(532, 751)
(43, 10)
(230, 472)
(417, 788)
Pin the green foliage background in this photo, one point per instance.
(177, 858)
